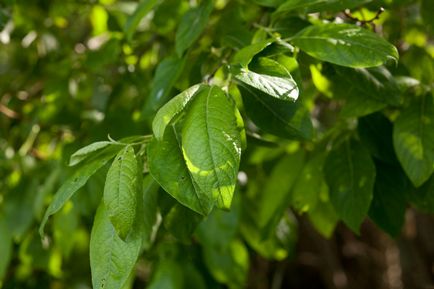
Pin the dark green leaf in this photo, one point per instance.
(413, 139)
(167, 73)
(311, 6)
(350, 175)
(167, 275)
(423, 197)
(192, 25)
(5, 247)
(345, 44)
(181, 222)
(281, 118)
(390, 198)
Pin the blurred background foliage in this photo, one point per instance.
(72, 72)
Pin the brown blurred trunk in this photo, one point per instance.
(372, 260)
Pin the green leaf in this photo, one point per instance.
(376, 133)
(112, 260)
(120, 191)
(350, 175)
(390, 198)
(311, 6)
(88, 151)
(5, 247)
(281, 86)
(228, 264)
(423, 197)
(143, 8)
(172, 109)
(168, 275)
(279, 117)
(413, 139)
(269, 3)
(323, 217)
(167, 166)
(245, 55)
(167, 73)
(181, 222)
(211, 144)
(150, 207)
(74, 183)
(345, 44)
(192, 25)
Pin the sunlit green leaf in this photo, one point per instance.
(345, 44)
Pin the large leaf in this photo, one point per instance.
(74, 183)
(211, 144)
(275, 116)
(167, 166)
(345, 44)
(350, 175)
(192, 25)
(172, 109)
(167, 73)
(413, 139)
(112, 260)
(120, 191)
(390, 198)
(281, 87)
(311, 6)
(133, 20)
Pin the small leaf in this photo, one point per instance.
(211, 144)
(245, 55)
(423, 197)
(112, 260)
(150, 210)
(133, 21)
(413, 139)
(167, 73)
(345, 44)
(350, 175)
(172, 109)
(192, 25)
(74, 183)
(283, 88)
(168, 274)
(88, 151)
(120, 191)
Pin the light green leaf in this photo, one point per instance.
(167, 73)
(120, 191)
(5, 247)
(167, 166)
(283, 88)
(172, 109)
(74, 183)
(413, 139)
(345, 44)
(112, 260)
(323, 217)
(245, 55)
(211, 144)
(350, 175)
(133, 21)
(88, 151)
(192, 25)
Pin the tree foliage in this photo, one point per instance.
(196, 132)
